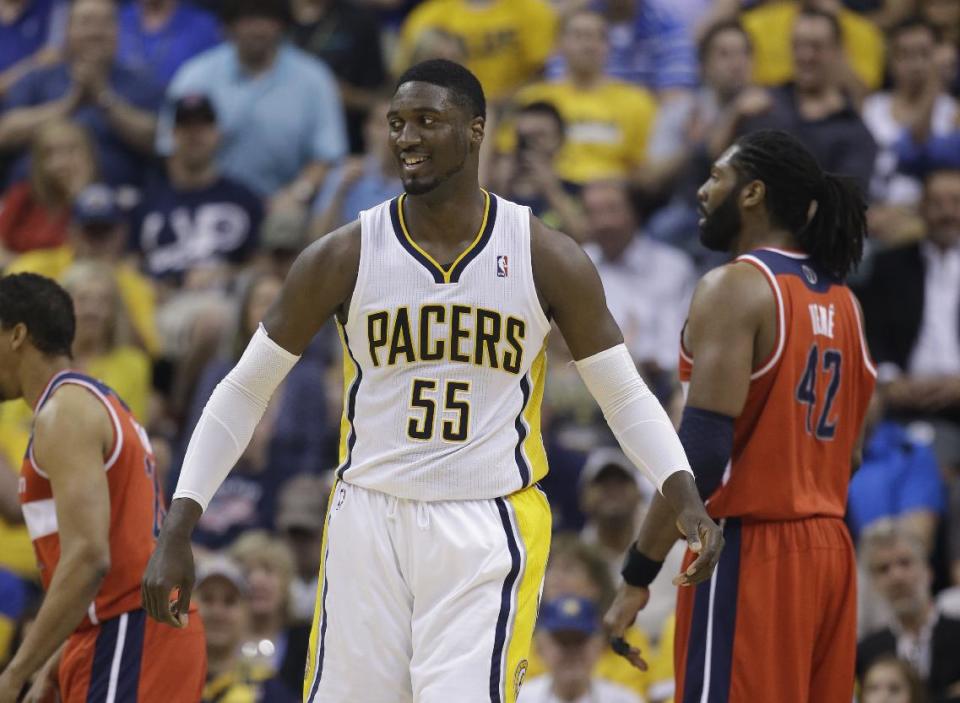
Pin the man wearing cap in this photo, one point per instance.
(614, 498)
(568, 638)
(300, 520)
(98, 232)
(222, 592)
(280, 107)
(191, 217)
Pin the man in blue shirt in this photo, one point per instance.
(899, 478)
(158, 36)
(114, 103)
(279, 108)
(191, 218)
(649, 46)
(31, 33)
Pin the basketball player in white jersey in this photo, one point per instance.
(437, 535)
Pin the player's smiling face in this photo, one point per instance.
(431, 135)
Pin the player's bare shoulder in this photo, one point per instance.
(558, 261)
(71, 415)
(737, 288)
(319, 284)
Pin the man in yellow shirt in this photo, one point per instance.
(770, 27)
(98, 232)
(507, 41)
(608, 121)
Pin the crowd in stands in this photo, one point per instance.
(167, 160)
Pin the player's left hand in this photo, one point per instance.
(705, 538)
(629, 601)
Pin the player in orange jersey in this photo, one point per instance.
(777, 376)
(91, 505)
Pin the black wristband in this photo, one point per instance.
(638, 569)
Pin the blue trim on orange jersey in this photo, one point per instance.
(720, 631)
(128, 680)
(805, 269)
(102, 659)
(522, 466)
(506, 598)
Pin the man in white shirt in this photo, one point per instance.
(569, 640)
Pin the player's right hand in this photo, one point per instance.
(628, 601)
(170, 568)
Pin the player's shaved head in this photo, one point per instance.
(464, 87)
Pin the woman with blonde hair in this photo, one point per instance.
(36, 211)
(102, 345)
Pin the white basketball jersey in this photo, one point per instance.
(444, 368)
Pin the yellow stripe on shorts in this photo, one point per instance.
(313, 660)
(527, 520)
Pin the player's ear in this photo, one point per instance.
(19, 336)
(753, 194)
(477, 126)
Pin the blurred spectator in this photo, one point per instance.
(222, 594)
(726, 65)
(346, 36)
(115, 103)
(614, 497)
(814, 108)
(648, 284)
(268, 566)
(891, 680)
(528, 174)
(35, 213)
(31, 34)
(279, 107)
(191, 218)
(100, 346)
(898, 479)
(688, 137)
(98, 232)
(887, 113)
(911, 304)
(859, 66)
(570, 641)
(290, 439)
(360, 182)
(574, 569)
(918, 634)
(608, 122)
(158, 36)
(301, 513)
(507, 41)
(649, 46)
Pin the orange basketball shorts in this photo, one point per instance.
(134, 659)
(777, 620)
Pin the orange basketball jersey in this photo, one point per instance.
(794, 439)
(136, 504)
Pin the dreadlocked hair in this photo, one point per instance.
(826, 212)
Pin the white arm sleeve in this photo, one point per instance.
(636, 417)
(230, 417)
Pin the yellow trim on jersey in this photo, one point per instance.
(532, 518)
(349, 377)
(445, 272)
(533, 443)
(318, 603)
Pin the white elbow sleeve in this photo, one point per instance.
(636, 417)
(230, 417)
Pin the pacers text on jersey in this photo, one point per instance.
(460, 333)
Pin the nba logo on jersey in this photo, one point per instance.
(502, 266)
(810, 274)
